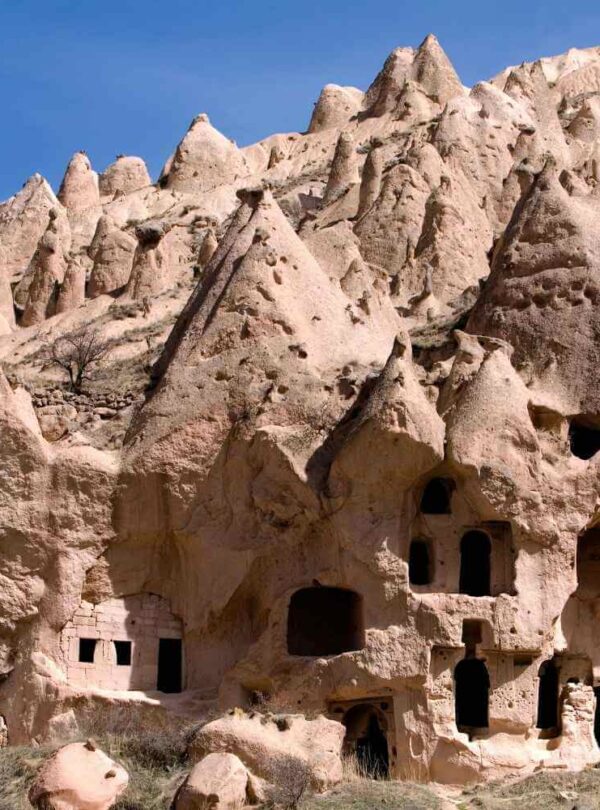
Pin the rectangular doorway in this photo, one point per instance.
(169, 665)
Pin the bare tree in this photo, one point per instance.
(76, 352)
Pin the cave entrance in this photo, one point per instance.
(588, 564)
(436, 497)
(471, 695)
(366, 738)
(597, 714)
(325, 621)
(548, 698)
(169, 677)
(475, 564)
(419, 562)
(584, 437)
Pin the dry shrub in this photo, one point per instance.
(290, 783)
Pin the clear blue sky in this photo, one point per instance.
(127, 76)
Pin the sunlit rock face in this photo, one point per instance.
(338, 450)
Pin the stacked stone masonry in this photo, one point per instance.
(122, 637)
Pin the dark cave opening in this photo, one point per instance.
(420, 562)
(366, 738)
(475, 564)
(471, 694)
(87, 648)
(325, 621)
(548, 698)
(436, 497)
(169, 676)
(123, 651)
(584, 437)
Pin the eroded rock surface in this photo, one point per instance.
(339, 454)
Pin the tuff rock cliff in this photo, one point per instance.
(339, 450)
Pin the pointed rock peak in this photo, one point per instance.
(35, 187)
(428, 67)
(344, 168)
(528, 81)
(203, 160)
(335, 107)
(79, 188)
(125, 175)
(382, 95)
(435, 73)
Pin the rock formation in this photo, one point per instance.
(78, 776)
(203, 160)
(124, 176)
(111, 251)
(339, 453)
(49, 264)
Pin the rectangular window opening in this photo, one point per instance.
(123, 650)
(87, 648)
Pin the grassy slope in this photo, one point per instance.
(157, 765)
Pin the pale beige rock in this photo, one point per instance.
(344, 168)
(335, 107)
(204, 160)
(208, 248)
(370, 184)
(126, 175)
(78, 777)
(428, 67)
(79, 187)
(149, 272)
(219, 780)
(112, 251)
(542, 281)
(49, 265)
(23, 220)
(346, 420)
(264, 744)
(72, 290)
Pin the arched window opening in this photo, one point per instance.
(366, 738)
(588, 564)
(584, 437)
(420, 564)
(548, 718)
(325, 621)
(437, 496)
(475, 565)
(471, 694)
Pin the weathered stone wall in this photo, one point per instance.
(142, 619)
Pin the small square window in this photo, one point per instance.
(123, 650)
(87, 648)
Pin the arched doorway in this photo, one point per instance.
(548, 719)
(436, 497)
(325, 621)
(471, 694)
(475, 564)
(366, 738)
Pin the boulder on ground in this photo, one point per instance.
(78, 777)
(218, 781)
(268, 745)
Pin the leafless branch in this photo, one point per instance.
(76, 352)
